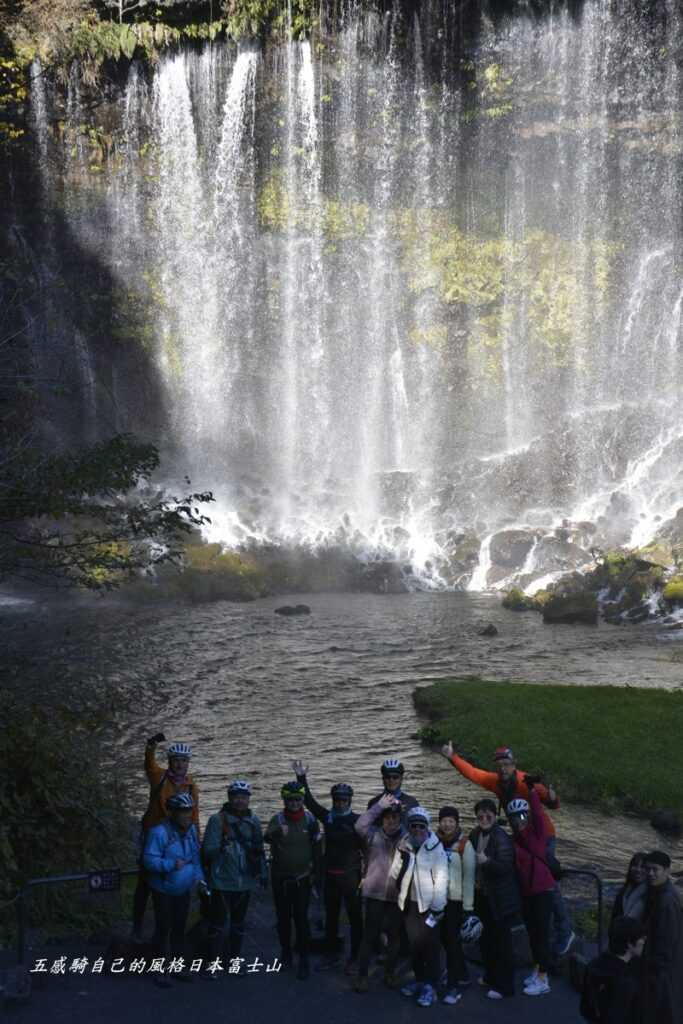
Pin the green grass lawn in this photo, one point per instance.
(617, 747)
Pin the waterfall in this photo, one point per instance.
(396, 290)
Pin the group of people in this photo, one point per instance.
(407, 887)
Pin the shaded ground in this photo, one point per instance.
(259, 997)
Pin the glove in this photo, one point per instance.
(157, 738)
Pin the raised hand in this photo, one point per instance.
(447, 750)
(387, 800)
(299, 768)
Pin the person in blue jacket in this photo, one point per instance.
(171, 858)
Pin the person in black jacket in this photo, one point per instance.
(631, 897)
(611, 984)
(392, 777)
(662, 993)
(343, 867)
(496, 899)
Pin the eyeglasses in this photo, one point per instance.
(418, 827)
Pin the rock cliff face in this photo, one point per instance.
(397, 286)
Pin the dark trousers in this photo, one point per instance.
(170, 919)
(424, 945)
(291, 897)
(380, 916)
(222, 904)
(496, 947)
(343, 889)
(140, 897)
(538, 911)
(451, 924)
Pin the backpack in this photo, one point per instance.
(253, 852)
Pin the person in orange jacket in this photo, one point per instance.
(163, 784)
(507, 782)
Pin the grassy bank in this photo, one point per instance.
(617, 747)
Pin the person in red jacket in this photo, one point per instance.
(536, 882)
(507, 782)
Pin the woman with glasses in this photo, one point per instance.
(496, 899)
(420, 868)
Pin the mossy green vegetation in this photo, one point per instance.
(609, 746)
(673, 591)
(209, 572)
(517, 601)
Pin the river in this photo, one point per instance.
(251, 690)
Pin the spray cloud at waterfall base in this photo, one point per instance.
(406, 297)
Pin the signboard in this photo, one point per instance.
(104, 881)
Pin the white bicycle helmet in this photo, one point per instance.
(392, 765)
(180, 802)
(471, 929)
(518, 806)
(179, 750)
(239, 786)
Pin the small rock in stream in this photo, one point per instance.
(293, 609)
(489, 630)
(667, 822)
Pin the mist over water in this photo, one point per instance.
(398, 291)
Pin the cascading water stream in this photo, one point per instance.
(400, 296)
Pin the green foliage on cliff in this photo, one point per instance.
(252, 18)
(534, 283)
(86, 518)
(336, 221)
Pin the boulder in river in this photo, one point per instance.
(489, 630)
(667, 822)
(293, 609)
(517, 601)
(568, 608)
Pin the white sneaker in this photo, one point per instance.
(452, 997)
(539, 987)
(427, 996)
(494, 994)
(532, 978)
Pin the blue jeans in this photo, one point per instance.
(561, 925)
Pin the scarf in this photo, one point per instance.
(295, 815)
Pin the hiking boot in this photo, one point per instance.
(360, 984)
(531, 980)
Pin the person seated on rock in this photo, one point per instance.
(392, 776)
(611, 984)
(462, 862)
(536, 882)
(236, 866)
(294, 837)
(662, 984)
(380, 829)
(631, 898)
(496, 899)
(420, 869)
(507, 782)
(163, 784)
(172, 862)
(342, 866)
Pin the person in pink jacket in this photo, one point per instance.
(536, 882)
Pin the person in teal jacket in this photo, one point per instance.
(171, 858)
(236, 863)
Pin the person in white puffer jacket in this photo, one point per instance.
(420, 868)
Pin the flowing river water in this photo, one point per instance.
(251, 690)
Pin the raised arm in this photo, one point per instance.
(153, 771)
(314, 807)
(369, 819)
(487, 780)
